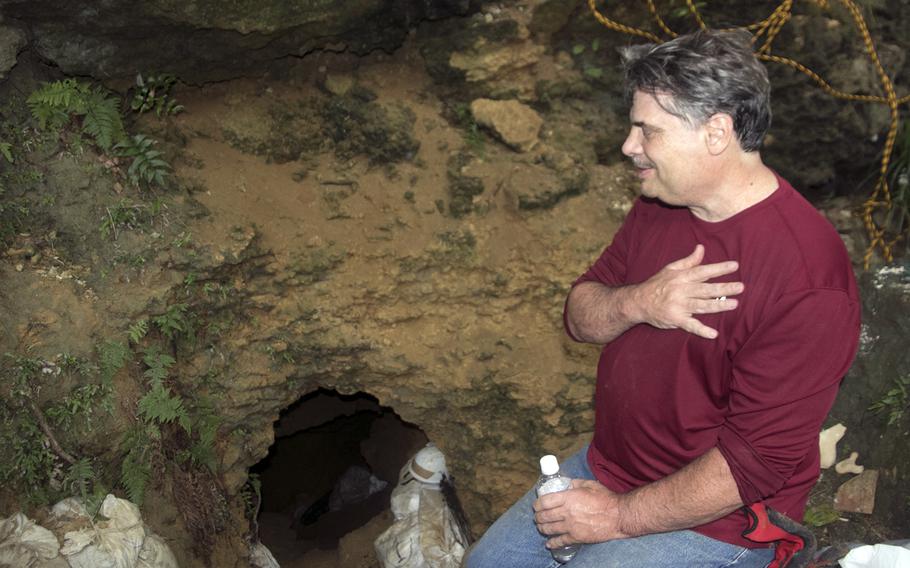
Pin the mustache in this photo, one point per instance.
(642, 164)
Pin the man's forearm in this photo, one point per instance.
(697, 494)
(599, 314)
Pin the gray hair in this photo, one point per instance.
(705, 73)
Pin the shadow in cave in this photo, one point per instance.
(331, 470)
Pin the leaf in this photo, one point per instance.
(135, 473)
(578, 49)
(138, 330)
(80, 478)
(5, 149)
(159, 406)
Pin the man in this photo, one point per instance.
(728, 311)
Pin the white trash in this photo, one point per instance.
(120, 540)
(23, 543)
(425, 533)
(261, 557)
(876, 556)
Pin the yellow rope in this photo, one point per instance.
(769, 28)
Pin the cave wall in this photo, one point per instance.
(462, 335)
(116, 39)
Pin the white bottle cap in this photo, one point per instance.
(549, 465)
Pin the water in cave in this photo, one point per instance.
(331, 470)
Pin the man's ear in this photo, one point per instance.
(719, 133)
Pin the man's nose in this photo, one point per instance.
(632, 145)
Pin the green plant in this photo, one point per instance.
(160, 408)
(182, 240)
(147, 168)
(683, 10)
(896, 401)
(112, 356)
(81, 480)
(820, 516)
(55, 104)
(33, 436)
(6, 151)
(138, 330)
(153, 92)
(123, 215)
(140, 447)
(471, 134)
(174, 321)
(898, 176)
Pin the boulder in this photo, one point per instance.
(12, 40)
(207, 40)
(516, 124)
(858, 494)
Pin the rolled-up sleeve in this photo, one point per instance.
(784, 380)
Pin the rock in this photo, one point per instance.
(489, 59)
(227, 39)
(882, 360)
(858, 494)
(12, 40)
(827, 444)
(516, 124)
(849, 465)
(554, 177)
(338, 83)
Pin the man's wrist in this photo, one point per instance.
(630, 305)
(628, 524)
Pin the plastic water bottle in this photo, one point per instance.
(552, 482)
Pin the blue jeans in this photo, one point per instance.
(513, 541)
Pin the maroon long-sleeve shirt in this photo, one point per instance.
(760, 391)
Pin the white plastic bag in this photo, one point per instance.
(261, 557)
(119, 540)
(877, 556)
(23, 543)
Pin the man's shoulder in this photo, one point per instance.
(804, 245)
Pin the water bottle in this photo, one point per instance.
(552, 482)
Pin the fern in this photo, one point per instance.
(102, 119)
(174, 321)
(113, 356)
(80, 478)
(6, 151)
(159, 406)
(207, 422)
(158, 365)
(54, 104)
(136, 468)
(138, 330)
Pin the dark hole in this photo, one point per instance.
(331, 470)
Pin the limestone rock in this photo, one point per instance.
(514, 123)
(338, 83)
(553, 177)
(490, 59)
(12, 40)
(849, 465)
(827, 443)
(226, 39)
(858, 494)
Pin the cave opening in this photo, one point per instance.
(331, 470)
